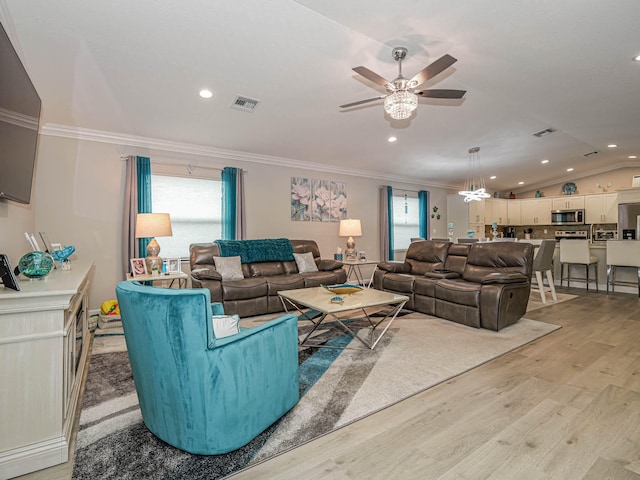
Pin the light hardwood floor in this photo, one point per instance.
(564, 407)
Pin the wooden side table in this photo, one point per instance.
(181, 277)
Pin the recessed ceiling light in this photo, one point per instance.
(520, 183)
(392, 139)
(637, 58)
(633, 156)
(206, 93)
(569, 169)
(612, 145)
(545, 161)
(492, 177)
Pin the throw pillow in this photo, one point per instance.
(229, 267)
(225, 325)
(305, 262)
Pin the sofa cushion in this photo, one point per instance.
(248, 288)
(229, 267)
(426, 256)
(225, 325)
(398, 282)
(305, 262)
(460, 292)
(504, 257)
(283, 282)
(265, 269)
(425, 286)
(316, 279)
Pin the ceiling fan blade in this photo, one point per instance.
(347, 105)
(441, 93)
(373, 76)
(433, 69)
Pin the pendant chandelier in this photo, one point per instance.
(474, 187)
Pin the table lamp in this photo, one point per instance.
(151, 225)
(350, 228)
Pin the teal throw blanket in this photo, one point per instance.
(252, 251)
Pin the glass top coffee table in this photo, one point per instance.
(318, 298)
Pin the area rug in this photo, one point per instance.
(337, 386)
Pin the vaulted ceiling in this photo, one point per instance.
(136, 67)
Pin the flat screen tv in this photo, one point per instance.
(19, 121)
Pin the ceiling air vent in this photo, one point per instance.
(590, 153)
(544, 132)
(245, 104)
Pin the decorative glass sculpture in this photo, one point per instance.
(35, 265)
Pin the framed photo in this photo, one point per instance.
(138, 267)
(6, 273)
(46, 242)
(173, 265)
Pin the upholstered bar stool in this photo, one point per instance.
(543, 263)
(576, 252)
(622, 253)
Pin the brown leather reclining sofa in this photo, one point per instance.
(483, 285)
(257, 292)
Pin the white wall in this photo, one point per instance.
(78, 201)
(15, 219)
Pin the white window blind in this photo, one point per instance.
(195, 207)
(406, 220)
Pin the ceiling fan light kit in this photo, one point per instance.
(402, 99)
(400, 104)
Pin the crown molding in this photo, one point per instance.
(78, 133)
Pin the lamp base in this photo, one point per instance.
(350, 253)
(153, 261)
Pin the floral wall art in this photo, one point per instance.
(318, 200)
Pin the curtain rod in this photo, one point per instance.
(403, 189)
(189, 166)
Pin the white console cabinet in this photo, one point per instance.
(44, 342)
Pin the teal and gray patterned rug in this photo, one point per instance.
(337, 387)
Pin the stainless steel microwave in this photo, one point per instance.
(567, 217)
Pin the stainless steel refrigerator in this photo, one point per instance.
(628, 221)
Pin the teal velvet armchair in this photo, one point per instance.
(198, 393)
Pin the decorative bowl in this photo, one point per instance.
(35, 265)
(342, 289)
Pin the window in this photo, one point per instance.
(406, 219)
(195, 207)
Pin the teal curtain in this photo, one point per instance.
(390, 219)
(143, 165)
(423, 212)
(229, 181)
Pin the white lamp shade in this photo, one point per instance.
(350, 228)
(153, 225)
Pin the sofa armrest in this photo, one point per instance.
(441, 274)
(328, 265)
(395, 267)
(504, 278)
(205, 274)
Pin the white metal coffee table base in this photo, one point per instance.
(394, 303)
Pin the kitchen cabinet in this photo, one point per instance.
(601, 208)
(476, 211)
(44, 342)
(569, 202)
(495, 210)
(536, 211)
(514, 215)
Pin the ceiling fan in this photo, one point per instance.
(402, 98)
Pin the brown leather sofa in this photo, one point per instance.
(257, 292)
(483, 285)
